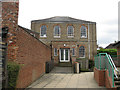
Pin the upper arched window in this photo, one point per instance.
(43, 30)
(57, 31)
(81, 51)
(83, 32)
(70, 31)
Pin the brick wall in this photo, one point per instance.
(10, 20)
(63, 37)
(32, 54)
(23, 46)
(118, 51)
(102, 78)
(108, 81)
(99, 76)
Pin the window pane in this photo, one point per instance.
(43, 30)
(62, 54)
(83, 31)
(57, 31)
(82, 51)
(73, 51)
(70, 30)
(55, 51)
(66, 54)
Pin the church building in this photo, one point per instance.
(70, 39)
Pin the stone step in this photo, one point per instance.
(117, 82)
(117, 79)
(118, 86)
(117, 75)
(65, 64)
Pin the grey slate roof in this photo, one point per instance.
(117, 44)
(63, 19)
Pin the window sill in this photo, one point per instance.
(70, 36)
(56, 36)
(83, 37)
(82, 57)
(43, 36)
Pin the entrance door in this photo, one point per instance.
(64, 55)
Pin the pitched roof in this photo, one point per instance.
(110, 46)
(117, 44)
(63, 19)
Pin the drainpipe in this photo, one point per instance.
(88, 41)
(51, 50)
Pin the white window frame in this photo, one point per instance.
(59, 32)
(68, 34)
(72, 51)
(64, 56)
(55, 53)
(46, 31)
(81, 32)
(84, 52)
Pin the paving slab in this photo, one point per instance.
(67, 80)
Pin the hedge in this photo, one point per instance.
(13, 71)
(109, 51)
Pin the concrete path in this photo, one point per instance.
(67, 80)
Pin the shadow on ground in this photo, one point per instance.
(63, 70)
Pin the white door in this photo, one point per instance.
(64, 55)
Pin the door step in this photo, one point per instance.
(65, 64)
(117, 82)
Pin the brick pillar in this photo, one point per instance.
(10, 10)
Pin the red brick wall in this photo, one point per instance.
(23, 48)
(102, 78)
(99, 76)
(10, 20)
(32, 54)
(108, 80)
(118, 51)
(60, 44)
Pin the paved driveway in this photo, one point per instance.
(66, 80)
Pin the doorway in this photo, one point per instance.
(64, 55)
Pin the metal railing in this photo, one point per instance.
(103, 61)
(116, 59)
(116, 71)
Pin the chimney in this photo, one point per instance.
(10, 10)
(10, 13)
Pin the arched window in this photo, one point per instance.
(57, 31)
(70, 31)
(43, 30)
(82, 51)
(83, 32)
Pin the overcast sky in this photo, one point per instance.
(103, 12)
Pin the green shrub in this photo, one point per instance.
(13, 71)
(109, 51)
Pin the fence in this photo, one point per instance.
(103, 61)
